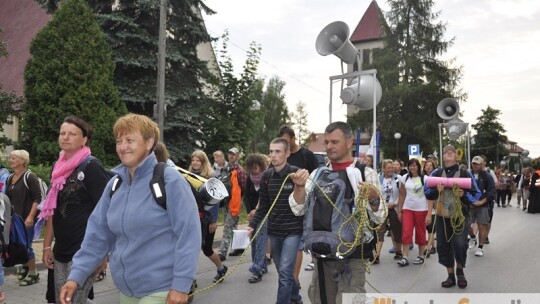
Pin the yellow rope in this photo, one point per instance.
(261, 224)
(359, 215)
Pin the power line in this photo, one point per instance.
(276, 68)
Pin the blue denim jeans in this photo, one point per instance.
(30, 238)
(284, 253)
(258, 252)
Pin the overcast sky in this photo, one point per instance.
(497, 43)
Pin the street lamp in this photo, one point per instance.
(397, 136)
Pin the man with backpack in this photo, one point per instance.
(452, 204)
(337, 271)
(479, 211)
(234, 204)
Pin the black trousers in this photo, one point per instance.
(501, 196)
(451, 247)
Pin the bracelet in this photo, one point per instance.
(47, 248)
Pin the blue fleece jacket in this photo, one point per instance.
(151, 249)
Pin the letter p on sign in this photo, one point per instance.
(414, 150)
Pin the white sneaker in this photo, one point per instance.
(479, 252)
(472, 243)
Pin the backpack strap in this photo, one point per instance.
(25, 178)
(362, 168)
(8, 180)
(322, 284)
(117, 181)
(157, 185)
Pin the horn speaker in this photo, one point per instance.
(448, 108)
(334, 39)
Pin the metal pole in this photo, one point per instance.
(440, 145)
(469, 148)
(374, 121)
(161, 66)
(330, 104)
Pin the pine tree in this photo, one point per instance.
(70, 73)
(412, 76)
(490, 138)
(132, 30)
(299, 123)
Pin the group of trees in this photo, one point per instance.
(98, 59)
(414, 79)
(412, 76)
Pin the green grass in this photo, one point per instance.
(243, 216)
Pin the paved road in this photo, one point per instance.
(510, 265)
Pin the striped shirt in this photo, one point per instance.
(281, 221)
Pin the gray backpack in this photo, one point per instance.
(322, 222)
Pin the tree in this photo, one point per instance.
(70, 73)
(299, 123)
(275, 113)
(412, 77)
(490, 138)
(132, 30)
(232, 122)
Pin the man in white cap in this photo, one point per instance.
(235, 197)
(479, 210)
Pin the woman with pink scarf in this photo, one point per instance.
(74, 192)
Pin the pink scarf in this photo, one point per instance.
(62, 170)
(256, 179)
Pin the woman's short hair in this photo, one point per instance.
(132, 123)
(81, 124)
(22, 154)
(256, 160)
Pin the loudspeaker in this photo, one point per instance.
(455, 128)
(334, 39)
(448, 108)
(362, 96)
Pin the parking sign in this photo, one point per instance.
(414, 150)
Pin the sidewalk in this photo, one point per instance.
(105, 291)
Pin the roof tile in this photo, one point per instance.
(21, 20)
(369, 27)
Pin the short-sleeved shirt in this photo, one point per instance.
(415, 199)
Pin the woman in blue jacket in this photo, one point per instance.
(140, 236)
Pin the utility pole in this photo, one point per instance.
(161, 67)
